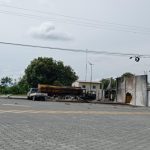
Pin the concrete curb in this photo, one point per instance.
(63, 101)
(12, 97)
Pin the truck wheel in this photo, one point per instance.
(43, 98)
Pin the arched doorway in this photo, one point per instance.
(128, 97)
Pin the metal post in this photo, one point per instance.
(91, 75)
(86, 66)
(91, 79)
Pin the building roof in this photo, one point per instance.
(96, 82)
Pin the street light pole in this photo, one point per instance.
(91, 75)
(86, 66)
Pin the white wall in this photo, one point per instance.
(90, 85)
(141, 91)
(120, 90)
(149, 98)
(136, 86)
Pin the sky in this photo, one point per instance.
(96, 25)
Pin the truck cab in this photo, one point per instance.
(35, 94)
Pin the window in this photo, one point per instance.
(94, 87)
(83, 86)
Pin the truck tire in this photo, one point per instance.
(43, 98)
(29, 98)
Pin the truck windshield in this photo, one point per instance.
(33, 90)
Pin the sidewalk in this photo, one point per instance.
(9, 96)
(23, 97)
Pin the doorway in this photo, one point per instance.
(128, 98)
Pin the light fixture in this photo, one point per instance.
(136, 58)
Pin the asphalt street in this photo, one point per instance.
(35, 125)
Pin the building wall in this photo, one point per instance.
(120, 90)
(88, 86)
(130, 88)
(141, 91)
(136, 86)
(149, 98)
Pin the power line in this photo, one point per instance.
(73, 17)
(74, 23)
(78, 50)
(96, 25)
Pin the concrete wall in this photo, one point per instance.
(148, 89)
(141, 91)
(136, 86)
(130, 88)
(99, 94)
(125, 85)
(120, 90)
(149, 98)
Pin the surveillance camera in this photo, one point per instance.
(137, 59)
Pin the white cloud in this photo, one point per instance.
(47, 31)
(5, 1)
(43, 1)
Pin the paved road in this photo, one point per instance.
(28, 125)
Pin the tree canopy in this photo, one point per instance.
(48, 71)
(127, 74)
(112, 82)
(6, 81)
(107, 82)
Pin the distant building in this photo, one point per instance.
(90, 87)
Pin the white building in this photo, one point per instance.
(133, 90)
(90, 87)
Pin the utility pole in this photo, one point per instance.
(91, 75)
(86, 66)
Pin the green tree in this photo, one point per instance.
(107, 82)
(48, 71)
(10, 86)
(6, 81)
(127, 74)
